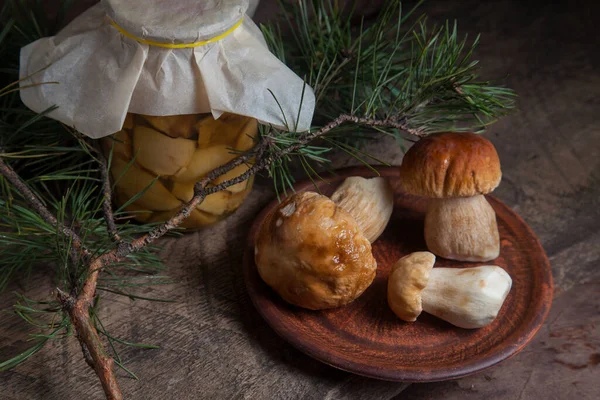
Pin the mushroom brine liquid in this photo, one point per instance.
(167, 155)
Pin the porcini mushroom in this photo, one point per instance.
(455, 170)
(466, 297)
(313, 253)
(369, 201)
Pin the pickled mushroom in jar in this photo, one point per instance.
(128, 123)
(247, 137)
(203, 161)
(225, 130)
(160, 153)
(215, 203)
(161, 156)
(132, 180)
(120, 143)
(176, 126)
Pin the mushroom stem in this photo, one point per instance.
(466, 297)
(462, 228)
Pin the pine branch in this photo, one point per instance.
(79, 308)
(41, 209)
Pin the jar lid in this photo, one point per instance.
(179, 21)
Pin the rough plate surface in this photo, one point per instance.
(366, 338)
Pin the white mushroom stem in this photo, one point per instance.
(462, 228)
(466, 297)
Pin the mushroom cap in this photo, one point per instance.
(407, 280)
(313, 253)
(369, 201)
(451, 165)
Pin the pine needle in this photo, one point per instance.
(392, 67)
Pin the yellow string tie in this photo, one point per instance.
(177, 45)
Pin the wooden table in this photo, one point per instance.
(215, 345)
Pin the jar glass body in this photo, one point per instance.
(162, 157)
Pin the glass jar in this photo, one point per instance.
(164, 157)
(155, 72)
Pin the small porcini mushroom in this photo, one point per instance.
(455, 170)
(313, 254)
(369, 201)
(466, 297)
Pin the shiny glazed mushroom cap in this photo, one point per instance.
(451, 165)
(408, 279)
(313, 253)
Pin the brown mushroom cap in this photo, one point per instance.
(409, 277)
(313, 253)
(451, 165)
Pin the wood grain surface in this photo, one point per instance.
(365, 337)
(214, 345)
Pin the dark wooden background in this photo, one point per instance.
(215, 345)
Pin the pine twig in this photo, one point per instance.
(107, 202)
(89, 339)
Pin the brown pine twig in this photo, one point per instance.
(78, 307)
(107, 210)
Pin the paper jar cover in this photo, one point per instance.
(102, 74)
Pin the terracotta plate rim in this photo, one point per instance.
(542, 305)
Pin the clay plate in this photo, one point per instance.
(366, 338)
